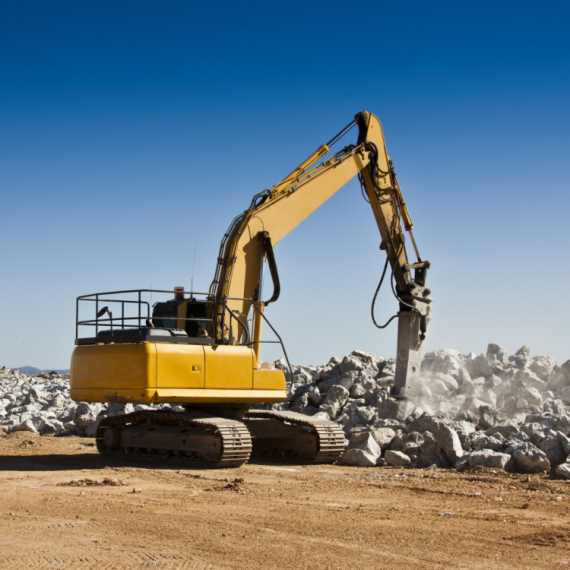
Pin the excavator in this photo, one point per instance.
(201, 352)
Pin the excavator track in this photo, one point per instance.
(313, 440)
(182, 438)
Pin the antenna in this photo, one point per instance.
(193, 265)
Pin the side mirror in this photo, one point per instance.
(102, 312)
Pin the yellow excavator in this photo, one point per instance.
(201, 352)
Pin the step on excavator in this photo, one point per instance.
(201, 352)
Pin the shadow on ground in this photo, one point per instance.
(69, 462)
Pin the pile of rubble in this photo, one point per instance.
(41, 404)
(493, 410)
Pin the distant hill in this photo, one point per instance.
(32, 371)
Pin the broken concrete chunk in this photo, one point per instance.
(563, 470)
(564, 441)
(542, 366)
(488, 417)
(529, 459)
(424, 423)
(431, 452)
(383, 437)
(497, 353)
(553, 448)
(366, 442)
(488, 442)
(449, 442)
(397, 458)
(84, 415)
(532, 396)
(358, 458)
(26, 425)
(479, 366)
(300, 403)
(488, 458)
(334, 400)
(506, 430)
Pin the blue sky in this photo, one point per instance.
(132, 132)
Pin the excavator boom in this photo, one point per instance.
(274, 213)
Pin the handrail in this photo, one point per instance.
(232, 315)
(260, 312)
(190, 293)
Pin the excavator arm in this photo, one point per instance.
(249, 242)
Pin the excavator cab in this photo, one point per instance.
(189, 315)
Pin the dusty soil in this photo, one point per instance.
(64, 506)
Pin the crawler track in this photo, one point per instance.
(194, 438)
(179, 437)
(326, 447)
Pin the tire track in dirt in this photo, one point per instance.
(125, 561)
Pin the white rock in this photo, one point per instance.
(479, 366)
(314, 396)
(321, 416)
(564, 441)
(334, 400)
(84, 415)
(522, 404)
(497, 353)
(449, 442)
(397, 458)
(542, 366)
(563, 470)
(366, 442)
(366, 413)
(351, 363)
(532, 396)
(488, 458)
(449, 381)
(565, 393)
(27, 425)
(530, 459)
(437, 386)
(557, 381)
(553, 448)
(358, 458)
(357, 391)
(383, 436)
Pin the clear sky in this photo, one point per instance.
(132, 132)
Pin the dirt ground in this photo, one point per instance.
(64, 506)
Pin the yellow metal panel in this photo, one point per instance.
(112, 368)
(229, 367)
(221, 396)
(180, 365)
(268, 380)
(283, 216)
